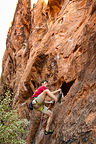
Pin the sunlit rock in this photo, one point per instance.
(55, 40)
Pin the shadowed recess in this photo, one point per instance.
(66, 87)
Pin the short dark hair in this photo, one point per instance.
(43, 82)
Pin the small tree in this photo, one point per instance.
(12, 129)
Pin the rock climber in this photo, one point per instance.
(39, 102)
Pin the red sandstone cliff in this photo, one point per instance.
(56, 42)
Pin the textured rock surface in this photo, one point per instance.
(56, 42)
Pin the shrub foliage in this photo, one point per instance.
(12, 128)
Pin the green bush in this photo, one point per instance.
(12, 129)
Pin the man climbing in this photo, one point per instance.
(39, 100)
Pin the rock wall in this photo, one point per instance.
(56, 42)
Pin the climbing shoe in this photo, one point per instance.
(59, 98)
(48, 132)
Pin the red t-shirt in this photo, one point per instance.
(38, 91)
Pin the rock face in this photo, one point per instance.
(56, 42)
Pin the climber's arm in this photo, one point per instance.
(49, 102)
(56, 91)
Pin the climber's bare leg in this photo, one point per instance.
(50, 115)
(48, 93)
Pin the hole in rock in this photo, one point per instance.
(66, 87)
(33, 83)
(76, 47)
(93, 9)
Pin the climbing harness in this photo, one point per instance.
(41, 108)
(31, 105)
(38, 103)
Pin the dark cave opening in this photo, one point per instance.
(33, 83)
(66, 87)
